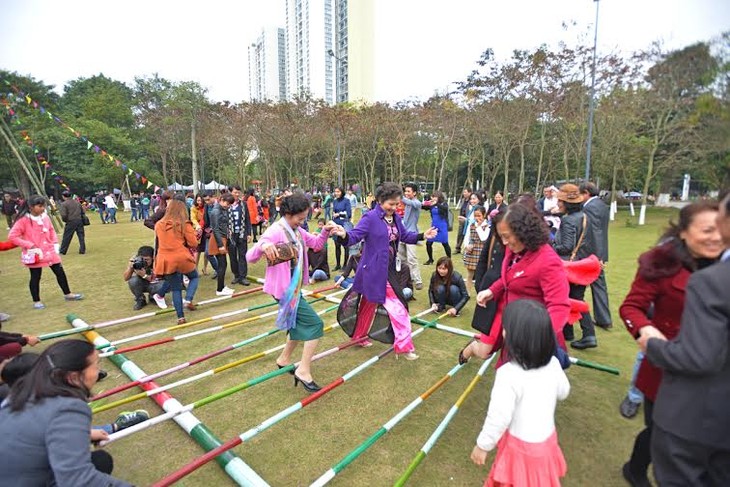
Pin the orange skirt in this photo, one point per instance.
(522, 464)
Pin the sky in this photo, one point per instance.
(421, 46)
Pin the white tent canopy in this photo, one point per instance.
(213, 185)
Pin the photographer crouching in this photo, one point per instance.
(141, 279)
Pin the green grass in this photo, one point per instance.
(596, 440)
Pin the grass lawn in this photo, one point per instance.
(596, 440)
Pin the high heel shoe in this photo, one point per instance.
(462, 359)
(308, 386)
(428, 262)
(282, 366)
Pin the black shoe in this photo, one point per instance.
(244, 281)
(61, 253)
(604, 326)
(568, 334)
(457, 251)
(102, 375)
(235, 281)
(585, 342)
(634, 480)
(82, 252)
(462, 359)
(291, 371)
(308, 386)
(428, 262)
(628, 408)
(337, 267)
(139, 304)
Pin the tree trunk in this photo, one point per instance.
(540, 158)
(195, 157)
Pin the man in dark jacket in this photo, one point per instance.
(10, 208)
(71, 213)
(239, 234)
(598, 216)
(690, 442)
(463, 207)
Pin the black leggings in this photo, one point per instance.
(338, 251)
(102, 461)
(35, 280)
(222, 264)
(641, 454)
(429, 250)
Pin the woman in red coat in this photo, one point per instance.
(661, 279)
(530, 270)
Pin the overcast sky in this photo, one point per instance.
(421, 46)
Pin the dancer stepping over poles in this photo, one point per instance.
(285, 246)
(375, 305)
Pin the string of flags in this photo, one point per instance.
(89, 144)
(15, 120)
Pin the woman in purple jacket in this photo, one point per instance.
(375, 305)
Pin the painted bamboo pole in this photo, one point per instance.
(232, 390)
(204, 331)
(266, 424)
(456, 331)
(234, 466)
(128, 319)
(198, 360)
(443, 425)
(354, 454)
(149, 334)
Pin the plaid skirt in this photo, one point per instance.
(471, 258)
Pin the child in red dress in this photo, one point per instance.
(521, 417)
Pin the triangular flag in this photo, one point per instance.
(103, 153)
(89, 144)
(28, 99)
(110, 157)
(149, 183)
(137, 175)
(131, 172)
(96, 148)
(144, 180)
(124, 167)
(118, 162)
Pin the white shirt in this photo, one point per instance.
(109, 201)
(524, 401)
(483, 231)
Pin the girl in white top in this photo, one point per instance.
(520, 420)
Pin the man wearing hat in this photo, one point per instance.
(574, 241)
(71, 214)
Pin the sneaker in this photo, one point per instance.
(419, 286)
(628, 408)
(139, 304)
(244, 281)
(189, 305)
(74, 297)
(39, 305)
(160, 301)
(226, 291)
(4, 317)
(214, 276)
(410, 356)
(130, 418)
(366, 344)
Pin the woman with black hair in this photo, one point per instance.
(440, 220)
(530, 270)
(488, 271)
(285, 277)
(375, 305)
(33, 231)
(574, 241)
(45, 422)
(342, 215)
(499, 203)
(447, 287)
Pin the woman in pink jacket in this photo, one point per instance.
(285, 280)
(34, 233)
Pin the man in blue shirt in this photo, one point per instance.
(407, 252)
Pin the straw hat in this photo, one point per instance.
(570, 193)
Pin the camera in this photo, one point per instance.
(138, 263)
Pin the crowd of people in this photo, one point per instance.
(514, 255)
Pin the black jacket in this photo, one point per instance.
(456, 280)
(219, 224)
(598, 214)
(569, 234)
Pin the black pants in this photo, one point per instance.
(586, 322)
(222, 264)
(338, 252)
(679, 462)
(102, 461)
(641, 454)
(237, 248)
(460, 237)
(72, 226)
(35, 281)
(429, 250)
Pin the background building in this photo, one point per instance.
(355, 31)
(266, 66)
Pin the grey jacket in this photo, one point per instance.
(598, 216)
(410, 216)
(70, 210)
(693, 397)
(47, 444)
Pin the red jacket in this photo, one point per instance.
(7, 245)
(538, 275)
(661, 279)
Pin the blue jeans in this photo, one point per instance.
(111, 215)
(318, 275)
(211, 258)
(134, 217)
(453, 296)
(176, 284)
(347, 282)
(145, 213)
(634, 394)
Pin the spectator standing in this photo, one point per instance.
(406, 251)
(72, 215)
(10, 208)
(598, 214)
(463, 210)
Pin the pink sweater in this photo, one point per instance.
(278, 276)
(28, 234)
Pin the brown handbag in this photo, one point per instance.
(287, 251)
(213, 248)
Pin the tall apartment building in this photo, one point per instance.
(325, 51)
(266, 66)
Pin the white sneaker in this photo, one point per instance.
(186, 281)
(160, 301)
(225, 292)
(410, 356)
